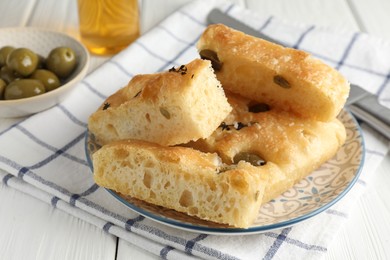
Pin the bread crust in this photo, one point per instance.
(284, 78)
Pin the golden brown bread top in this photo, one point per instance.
(150, 86)
(274, 135)
(299, 64)
(250, 66)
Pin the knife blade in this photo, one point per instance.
(362, 104)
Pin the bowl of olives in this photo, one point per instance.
(38, 69)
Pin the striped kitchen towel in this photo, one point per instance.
(44, 155)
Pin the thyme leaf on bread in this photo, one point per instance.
(182, 70)
(136, 95)
(235, 125)
(106, 105)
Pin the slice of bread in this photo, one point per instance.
(168, 108)
(284, 78)
(182, 179)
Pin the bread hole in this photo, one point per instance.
(225, 188)
(239, 183)
(167, 185)
(110, 128)
(258, 107)
(152, 195)
(193, 210)
(216, 207)
(147, 116)
(121, 153)
(209, 198)
(187, 177)
(186, 199)
(125, 163)
(212, 185)
(147, 180)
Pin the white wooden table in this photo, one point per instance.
(31, 229)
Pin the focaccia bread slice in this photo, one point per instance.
(284, 78)
(182, 179)
(273, 138)
(168, 108)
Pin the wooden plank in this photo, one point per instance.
(20, 18)
(365, 233)
(330, 13)
(56, 15)
(373, 16)
(154, 11)
(31, 229)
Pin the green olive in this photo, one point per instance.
(61, 61)
(253, 159)
(4, 52)
(3, 84)
(48, 78)
(24, 88)
(7, 74)
(22, 61)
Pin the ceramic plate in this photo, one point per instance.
(309, 197)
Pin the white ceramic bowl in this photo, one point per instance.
(42, 42)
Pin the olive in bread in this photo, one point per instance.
(172, 107)
(284, 78)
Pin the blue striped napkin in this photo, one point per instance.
(44, 155)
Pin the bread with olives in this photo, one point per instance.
(172, 107)
(266, 136)
(284, 78)
(182, 179)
